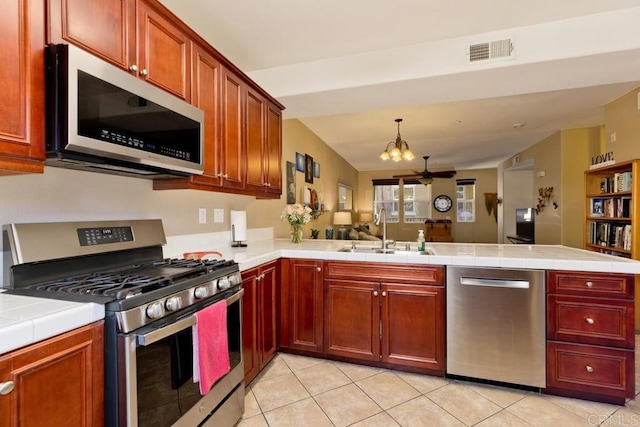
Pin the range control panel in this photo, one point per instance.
(104, 235)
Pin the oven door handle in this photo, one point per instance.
(161, 333)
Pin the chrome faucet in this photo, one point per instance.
(381, 216)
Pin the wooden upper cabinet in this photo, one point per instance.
(232, 151)
(104, 28)
(164, 52)
(205, 94)
(22, 87)
(131, 34)
(255, 136)
(273, 150)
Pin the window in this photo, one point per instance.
(466, 200)
(415, 197)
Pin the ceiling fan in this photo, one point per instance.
(426, 177)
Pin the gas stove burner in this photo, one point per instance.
(118, 286)
(208, 265)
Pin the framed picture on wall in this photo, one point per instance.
(291, 183)
(300, 162)
(308, 169)
(316, 170)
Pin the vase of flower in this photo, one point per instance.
(297, 215)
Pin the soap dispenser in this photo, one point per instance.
(421, 240)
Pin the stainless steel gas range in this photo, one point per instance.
(151, 304)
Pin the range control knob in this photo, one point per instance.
(154, 310)
(173, 303)
(200, 292)
(233, 280)
(224, 283)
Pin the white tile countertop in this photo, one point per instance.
(545, 257)
(26, 320)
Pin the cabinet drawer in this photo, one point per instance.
(582, 283)
(404, 273)
(590, 369)
(591, 320)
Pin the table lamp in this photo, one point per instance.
(341, 219)
(365, 218)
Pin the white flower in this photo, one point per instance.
(297, 214)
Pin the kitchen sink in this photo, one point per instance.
(378, 250)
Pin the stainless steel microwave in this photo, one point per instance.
(100, 118)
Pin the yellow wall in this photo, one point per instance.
(484, 230)
(622, 117)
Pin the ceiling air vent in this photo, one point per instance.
(499, 50)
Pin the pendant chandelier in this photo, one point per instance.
(397, 150)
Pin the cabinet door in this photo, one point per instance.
(105, 28)
(305, 322)
(254, 144)
(58, 382)
(250, 324)
(352, 319)
(273, 150)
(232, 145)
(268, 340)
(206, 96)
(22, 86)
(164, 52)
(413, 325)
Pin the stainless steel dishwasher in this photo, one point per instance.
(496, 324)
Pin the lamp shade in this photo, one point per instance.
(342, 218)
(366, 217)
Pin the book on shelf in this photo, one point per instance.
(611, 235)
(617, 183)
(612, 207)
(597, 207)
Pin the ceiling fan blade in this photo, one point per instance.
(443, 174)
(413, 175)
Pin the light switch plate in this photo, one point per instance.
(202, 215)
(218, 215)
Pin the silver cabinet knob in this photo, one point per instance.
(318, 269)
(225, 176)
(384, 293)
(173, 303)
(589, 368)
(375, 293)
(6, 387)
(590, 321)
(144, 72)
(219, 175)
(133, 68)
(589, 284)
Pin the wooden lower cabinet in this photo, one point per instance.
(57, 382)
(259, 327)
(393, 322)
(301, 311)
(590, 333)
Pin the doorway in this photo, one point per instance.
(517, 193)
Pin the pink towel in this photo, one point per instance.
(210, 346)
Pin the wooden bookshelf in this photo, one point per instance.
(610, 207)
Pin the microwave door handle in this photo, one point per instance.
(161, 333)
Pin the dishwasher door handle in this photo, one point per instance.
(496, 283)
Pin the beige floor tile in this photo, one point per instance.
(358, 372)
(347, 405)
(501, 396)
(422, 412)
(538, 411)
(277, 367)
(463, 403)
(633, 405)
(251, 406)
(423, 383)
(583, 408)
(380, 420)
(255, 421)
(323, 377)
(279, 391)
(622, 417)
(387, 389)
(503, 419)
(296, 362)
(305, 413)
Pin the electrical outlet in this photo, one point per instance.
(218, 215)
(202, 215)
(614, 137)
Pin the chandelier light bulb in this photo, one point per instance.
(385, 155)
(400, 150)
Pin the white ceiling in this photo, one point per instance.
(347, 69)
